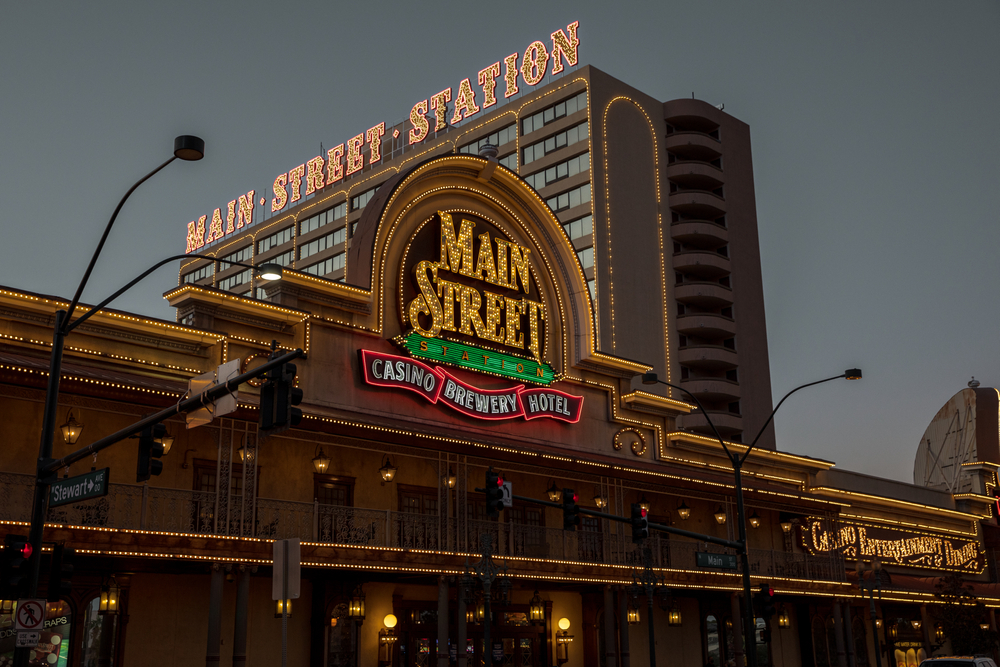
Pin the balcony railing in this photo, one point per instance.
(142, 507)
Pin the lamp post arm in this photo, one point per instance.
(704, 412)
(69, 327)
(771, 416)
(104, 237)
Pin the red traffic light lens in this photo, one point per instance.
(642, 512)
(499, 481)
(575, 497)
(26, 550)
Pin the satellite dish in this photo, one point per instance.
(948, 442)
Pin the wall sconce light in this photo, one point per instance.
(683, 511)
(246, 453)
(720, 515)
(786, 526)
(321, 462)
(674, 615)
(754, 519)
(916, 624)
(416, 617)
(644, 504)
(388, 471)
(600, 501)
(729, 625)
(632, 615)
(470, 615)
(563, 640)
(480, 611)
(982, 626)
(110, 593)
(71, 429)
(939, 633)
(536, 610)
(451, 480)
(333, 621)
(554, 492)
(893, 630)
(356, 607)
(783, 619)
(878, 623)
(386, 640)
(281, 605)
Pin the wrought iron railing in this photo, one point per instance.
(144, 507)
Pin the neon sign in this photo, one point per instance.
(893, 546)
(438, 386)
(348, 158)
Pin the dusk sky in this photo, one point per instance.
(876, 151)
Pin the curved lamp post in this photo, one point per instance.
(749, 623)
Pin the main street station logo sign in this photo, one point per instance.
(893, 546)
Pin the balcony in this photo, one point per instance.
(704, 294)
(188, 513)
(727, 423)
(706, 325)
(697, 203)
(708, 357)
(690, 145)
(713, 389)
(695, 175)
(699, 233)
(702, 264)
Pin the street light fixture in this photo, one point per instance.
(270, 271)
(737, 461)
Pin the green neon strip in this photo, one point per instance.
(478, 359)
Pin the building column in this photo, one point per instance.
(838, 631)
(242, 609)
(623, 625)
(609, 628)
(214, 616)
(736, 611)
(925, 625)
(463, 641)
(442, 621)
(849, 635)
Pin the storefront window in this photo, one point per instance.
(98, 636)
(53, 645)
(712, 638)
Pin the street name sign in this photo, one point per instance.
(93, 484)
(719, 561)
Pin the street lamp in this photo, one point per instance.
(737, 461)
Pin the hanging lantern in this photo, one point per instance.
(554, 493)
(644, 504)
(754, 519)
(916, 624)
(356, 607)
(786, 526)
(683, 511)
(321, 462)
(633, 615)
(451, 480)
(600, 502)
(71, 429)
(783, 620)
(720, 515)
(388, 471)
(674, 615)
(982, 626)
(110, 593)
(939, 632)
(536, 609)
(246, 453)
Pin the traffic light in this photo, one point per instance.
(267, 395)
(764, 603)
(150, 451)
(278, 398)
(640, 524)
(494, 493)
(571, 513)
(61, 572)
(14, 566)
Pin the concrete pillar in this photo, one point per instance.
(849, 636)
(463, 638)
(214, 616)
(623, 624)
(838, 631)
(609, 628)
(442, 619)
(736, 611)
(242, 613)
(925, 625)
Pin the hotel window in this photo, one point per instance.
(509, 161)
(322, 243)
(554, 112)
(499, 138)
(241, 278)
(358, 202)
(418, 500)
(580, 227)
(565, 138)
(241, 255)
(557, 172)
(261, 294)
(284, 259)
(275, 239)
(323, 218)
(570, 198)
(586, 258)
(328, 265)
(592, 285)
(333, 490)
(199, 274)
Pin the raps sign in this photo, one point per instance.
(365, 149)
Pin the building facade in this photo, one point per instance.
(461, 312)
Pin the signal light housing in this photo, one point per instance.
(494, 493)
(150, 450)
(571, 513)
(640, 523)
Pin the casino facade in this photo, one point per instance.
(479, 287)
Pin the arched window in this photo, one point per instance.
(712, 638)
(100, 632)
(342, 640)
(860, 641)
(821, 652)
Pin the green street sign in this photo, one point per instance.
(477, 359)
(93, 484)
(717, 561)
